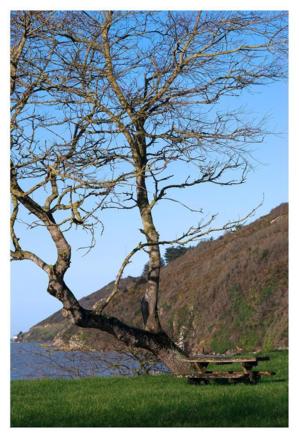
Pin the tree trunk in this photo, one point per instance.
(175, 362)
(157, 343)
(152, 322)
(150, 299)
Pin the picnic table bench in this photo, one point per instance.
(247, 374)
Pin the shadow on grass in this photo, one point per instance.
(242, 406)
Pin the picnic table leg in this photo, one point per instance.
(248, 374)
(202, 366)
(255, 377)
(251, 376)
(197, 381)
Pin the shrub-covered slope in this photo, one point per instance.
(230, 294)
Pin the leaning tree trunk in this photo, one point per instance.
(157, 343)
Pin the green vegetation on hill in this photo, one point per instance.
(174, 252)
(161, 401)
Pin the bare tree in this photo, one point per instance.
(107, 107)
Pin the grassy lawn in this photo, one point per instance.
(154, 401)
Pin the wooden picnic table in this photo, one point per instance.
(247, 374)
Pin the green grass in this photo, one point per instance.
(161, 401)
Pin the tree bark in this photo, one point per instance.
(150, 299)
(157, 343)
(151, 295)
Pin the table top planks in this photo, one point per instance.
(222, 361)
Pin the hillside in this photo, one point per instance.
(230, 294)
